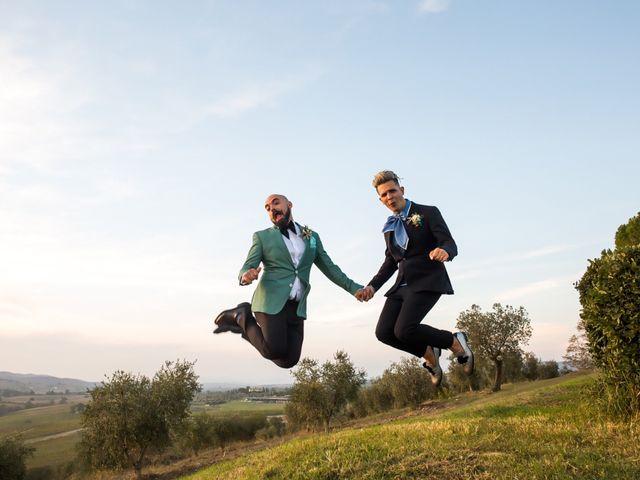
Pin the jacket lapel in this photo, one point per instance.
(309, 253)
(278, 241)
(392, 247)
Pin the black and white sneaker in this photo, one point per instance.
(465, 358)
(435, 371)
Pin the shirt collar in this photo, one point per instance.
(407, 207)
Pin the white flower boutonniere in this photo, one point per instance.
(306, 233)
(415, 220)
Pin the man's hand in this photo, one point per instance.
(365, 294)
(250, 275)
(439, 255)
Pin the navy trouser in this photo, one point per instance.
(399, 323)
(277, 337)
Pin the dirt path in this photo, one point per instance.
(51, 437)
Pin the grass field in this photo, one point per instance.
(38, 425)
(40, 421)
(537, 430)
(53, 430)
(239, 406)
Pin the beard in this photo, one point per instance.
(283, 220)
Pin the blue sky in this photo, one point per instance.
(138, 141)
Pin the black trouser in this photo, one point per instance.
(399, 324)
(277, 337)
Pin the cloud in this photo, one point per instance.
(433, 6)
(37, 101)
(536, 287)
(514, 258)
(243, 101)
(548, 250)
(257, 96)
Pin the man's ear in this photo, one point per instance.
(289, 205)
(402, 190)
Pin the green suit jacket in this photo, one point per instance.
(279, 273)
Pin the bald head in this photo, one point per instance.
(273, 196)
(278, 208)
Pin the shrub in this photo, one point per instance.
(610, 298)
(13, 455)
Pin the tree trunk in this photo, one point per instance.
(138, 464)
(498, 380)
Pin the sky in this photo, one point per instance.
(139, 140)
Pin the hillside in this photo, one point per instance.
(41, 383)
(539, 430)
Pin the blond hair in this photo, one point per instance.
(383, 177)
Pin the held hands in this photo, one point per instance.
(250, 275)
(439, 255)
(365, 294)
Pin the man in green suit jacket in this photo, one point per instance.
(279, 305)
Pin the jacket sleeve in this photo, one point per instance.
(331, 270)
(254, 257)
(389, 266)
(441, 232)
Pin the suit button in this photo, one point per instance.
(290, 285)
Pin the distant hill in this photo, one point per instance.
(42, 383)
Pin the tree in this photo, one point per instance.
(577, 355)
(548, 369)
(130, 415)
(374, 398)
(610, 298)
(628, 234)
(484, 372)
(408, 383)
(531, 368)
(13, 455)
(497, 333)
(319, 393)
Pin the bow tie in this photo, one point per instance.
(285, 230)
(395, 224)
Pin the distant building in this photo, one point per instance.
(283, 399)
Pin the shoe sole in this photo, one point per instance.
(469, 360)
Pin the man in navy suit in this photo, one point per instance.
(418, 242)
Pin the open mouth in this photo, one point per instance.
(277, 216)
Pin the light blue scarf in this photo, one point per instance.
(395, 223)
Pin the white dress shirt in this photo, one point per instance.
(296, 246)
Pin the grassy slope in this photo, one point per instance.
(36, 425)
(539, 430)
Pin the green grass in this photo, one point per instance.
(39, 421)
(240, 407)
(54, 452)
(537, 430)
(36, 424)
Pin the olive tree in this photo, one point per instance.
(130, 416)
(321, 392)
(496, 334)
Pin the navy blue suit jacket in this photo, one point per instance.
(416, 268)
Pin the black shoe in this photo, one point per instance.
(227, 321)
(465, 358)
(436, 370)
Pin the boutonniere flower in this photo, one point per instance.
(306, 233)
(415, 220)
